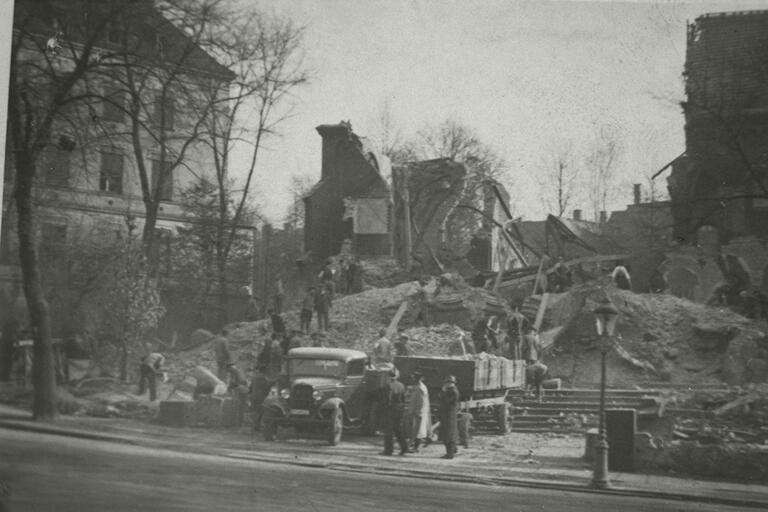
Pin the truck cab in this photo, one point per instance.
(323, 391)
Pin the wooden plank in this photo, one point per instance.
(392, 328)
(540, 312)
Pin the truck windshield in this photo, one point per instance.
(315, 368)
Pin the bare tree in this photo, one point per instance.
(298, 187)
(263, 54)
(54, 51)
(392, 142)
(602, 165)
(559, 178)
(454, 140)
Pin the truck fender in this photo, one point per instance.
(333, 403)
(275, 404)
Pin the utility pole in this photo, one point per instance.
(404, 193)
(266, 237)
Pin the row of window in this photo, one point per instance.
(114, 105)
(57, 163)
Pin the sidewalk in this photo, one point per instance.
(360, 454)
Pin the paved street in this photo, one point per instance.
(45, 473)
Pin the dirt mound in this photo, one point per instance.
(659, 337)
(435, 340)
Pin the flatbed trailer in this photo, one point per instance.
(483, 382)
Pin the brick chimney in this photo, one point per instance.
(332, 134)
(603, 216)
(636, 192)
(576, 214)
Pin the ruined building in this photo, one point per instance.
(351, 200)
(721, 183)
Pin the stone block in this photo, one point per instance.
(176, 413)
(214, 411)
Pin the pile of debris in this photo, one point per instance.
(659, 337)
(435, 340)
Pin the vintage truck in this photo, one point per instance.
(324, 392)
(327, 389)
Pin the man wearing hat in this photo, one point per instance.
(151, 367)
(401, 346)
(238, 388)
(260, 386)
(449, 410)
(421, 424)
(393, 405)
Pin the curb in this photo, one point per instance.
(42, 428)
(510, 482)
(422, 474)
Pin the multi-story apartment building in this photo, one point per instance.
(126, 143)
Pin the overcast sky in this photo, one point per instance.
(525, 75)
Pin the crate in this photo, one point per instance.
(512, 373)
(176, 413)
(215, 411)
(494, 373)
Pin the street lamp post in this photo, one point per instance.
(605, 316)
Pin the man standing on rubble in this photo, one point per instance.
(238, 388)
(516, 327)
(382, 349)
(322, 308)
(151, 367)
(531, 346)
(449, 416)
(223, 357)
(393, 405)
(620, 276)
(307, 303)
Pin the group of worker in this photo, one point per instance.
(406, 415)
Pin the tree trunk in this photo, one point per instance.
(124, 360)
(221, 278)
(43, 370)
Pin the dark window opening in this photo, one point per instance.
(111, 177)
(165, 112)
(113, 105)
(55, 169)
(165, 190)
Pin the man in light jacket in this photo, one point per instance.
(421, 416)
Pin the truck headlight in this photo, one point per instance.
(317, 395)
(285, 393)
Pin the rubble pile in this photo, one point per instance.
(659, 338)
(434, 340)
(383, 272)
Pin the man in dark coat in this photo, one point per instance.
(535, 374)
(238, 388)
(393, 407)
(449, 411)
(260, 387)
(151, 367)
(322, 307)
(223, 356)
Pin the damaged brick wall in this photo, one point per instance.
(722, 180)
(348, 171)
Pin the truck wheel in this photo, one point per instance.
(268, 425)
(502, 416)
(336, 427)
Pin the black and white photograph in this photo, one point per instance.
(369, 255)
